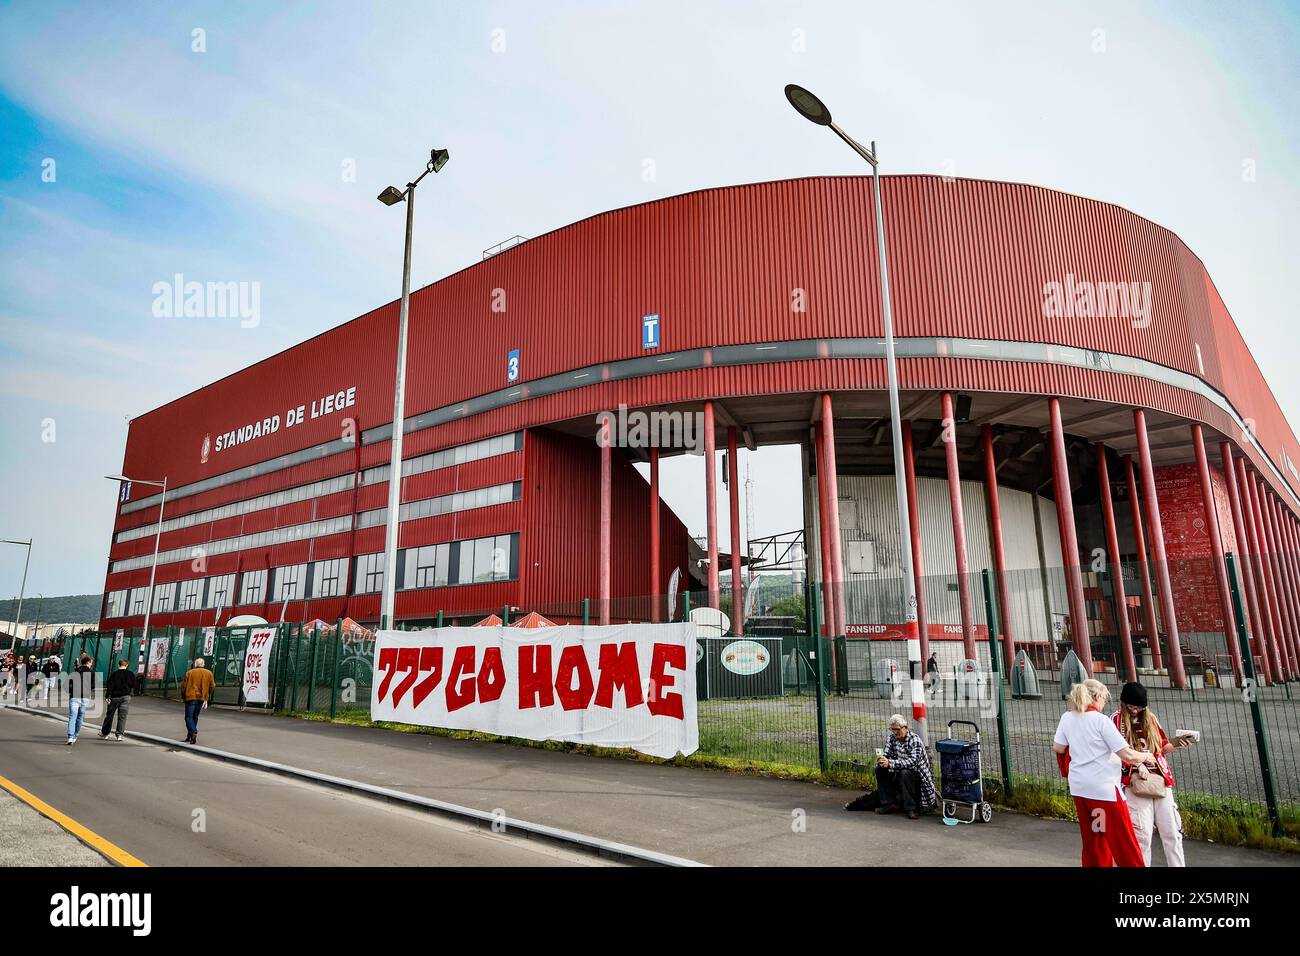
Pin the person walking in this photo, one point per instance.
(1150, 794)
(50, 671)
(121, 685)
(932, 674)
(33, 677)
(81, 690)
(196, 690)
(1086, 745)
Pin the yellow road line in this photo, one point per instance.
(88, 837)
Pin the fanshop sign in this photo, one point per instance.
(620, 686)
(895, 632)
(319, 408)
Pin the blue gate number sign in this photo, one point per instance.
(512, 365)
(650, 331)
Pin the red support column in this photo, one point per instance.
(1289, 532)
(1069, 540)
(1289, 545)
(606, 484)
(1289, 562)
(824, 535)
(1287, 578)
(1250, 599)
(958, 528)
(737, 586)
(1286, 587)
(1156, 532)
(1216, 547)
(1144, 571)
(1116, 565)
(999, 552)
(1262, 598)
(1268, 581)
(833, 497)
(656, 599)
(918, 562)
(711, 499)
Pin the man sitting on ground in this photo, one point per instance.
(903, 777)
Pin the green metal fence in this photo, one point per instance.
(823, 701)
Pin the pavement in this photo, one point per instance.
(167, 807)
(710, 816)
(29, 839)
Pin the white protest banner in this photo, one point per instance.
(619, 686)
(158, 650)
(257, 664)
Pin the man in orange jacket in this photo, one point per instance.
(196, 690)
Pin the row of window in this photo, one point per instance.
(458, 455)
(473, 561)
(444, 504)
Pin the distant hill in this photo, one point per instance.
(66, 609)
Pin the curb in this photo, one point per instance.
(604, 849)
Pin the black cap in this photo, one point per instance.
(1133, 693)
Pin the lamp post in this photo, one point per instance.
(389, 197)
(18, 618)
(153, 569)
(814, 110)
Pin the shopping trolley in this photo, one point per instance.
(961, 786)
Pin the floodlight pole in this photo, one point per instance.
(18, 619)
(399, 417)
(387, 618)
(812, 109)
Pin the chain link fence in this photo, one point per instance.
(778, 689)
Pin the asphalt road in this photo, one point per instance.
(170, 808)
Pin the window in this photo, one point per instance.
(164, 598)
(370, 574)
(494, 558)
(138, 598)
(115, 606)
(327, 578)
(484, 553)
(427, 567)
(221, 590)
(465, 573)
(191, 597)
(290, 583)
(252, 587)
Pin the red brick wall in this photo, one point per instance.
(1187, 543)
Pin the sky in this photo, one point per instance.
(215, 140)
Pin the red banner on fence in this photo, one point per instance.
(630, 685)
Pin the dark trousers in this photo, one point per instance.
(192, 708)
(902, 788)
(118, 706)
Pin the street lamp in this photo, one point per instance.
(815, 111)
(18, 619)
(153, 570)
(390, 197)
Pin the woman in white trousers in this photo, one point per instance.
(1142, 730)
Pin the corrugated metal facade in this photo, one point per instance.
(968, 258)
(867, 513)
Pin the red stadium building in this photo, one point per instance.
(1075, 397)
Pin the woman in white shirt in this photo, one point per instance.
(1091, 753)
